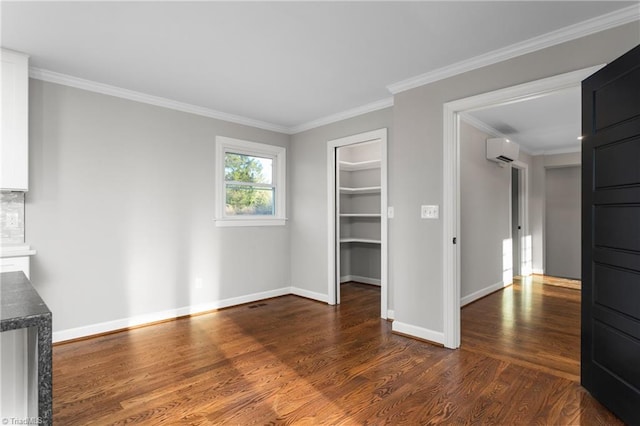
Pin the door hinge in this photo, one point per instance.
(455, 240)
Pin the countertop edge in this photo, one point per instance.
(16, 253)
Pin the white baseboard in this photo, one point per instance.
(360, 279)
(105, 327)
(391, 314)
(537, 271)
(481, 293)
(309, 294)
(419, 332)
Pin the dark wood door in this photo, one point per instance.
(611, 236)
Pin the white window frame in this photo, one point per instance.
(226, 145)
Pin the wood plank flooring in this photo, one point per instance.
(529, 324)
(290, 360)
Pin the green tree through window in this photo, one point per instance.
(248, 185)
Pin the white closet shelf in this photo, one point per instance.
(362, 190)
(360, 240)
(359, 165)
(360, 215)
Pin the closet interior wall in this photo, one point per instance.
(359, 210)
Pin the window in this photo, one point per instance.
(250, 183)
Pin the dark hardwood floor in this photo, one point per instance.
(528, 324)
(294, 361)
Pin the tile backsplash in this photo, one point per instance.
(12, 217)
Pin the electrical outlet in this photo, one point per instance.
(390, 212)
(429, 212)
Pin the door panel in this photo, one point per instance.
(619, 289)
(622, 160)
(614, 354)
(609, 233)
(617, 101)
(610, 367)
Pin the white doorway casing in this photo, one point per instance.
(451, 180)
(525, 267)
(333, 273)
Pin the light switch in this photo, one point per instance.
(429, 212)
(390, 212)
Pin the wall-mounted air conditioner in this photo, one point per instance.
(502, 150)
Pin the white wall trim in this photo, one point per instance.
(106, 89)
(419, 332)
(350, 113)
(570, 150)
(537, 271)
(297, 291)
(391, 314)
(451, 180)
(360, 279)
(481, 293)
(138, 320)
(524, 214)
(572, 32)
(451, 224)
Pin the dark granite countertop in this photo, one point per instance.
(20, 304)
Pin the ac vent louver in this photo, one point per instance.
(502, 150)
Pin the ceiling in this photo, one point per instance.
(283, 65)
(541, 125)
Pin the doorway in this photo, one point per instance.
(357, 192)
(516, 225)
(520, 233)
(451, 190)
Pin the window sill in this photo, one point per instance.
(227, 222)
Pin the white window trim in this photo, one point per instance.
(238, 146)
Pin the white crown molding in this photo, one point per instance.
(572, 32)
(105, 89)
(354, 112)
(592, 26)
(567, 150)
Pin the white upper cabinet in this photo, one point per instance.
(14, 145)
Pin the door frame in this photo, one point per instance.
(451, 179)
(333, 242)
(523, 215)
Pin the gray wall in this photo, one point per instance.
(538, 200)
(121, 208)
(563, 217)
(308, 192)
(416, 161)
(484, 213)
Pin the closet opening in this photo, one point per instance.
(358, 239)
